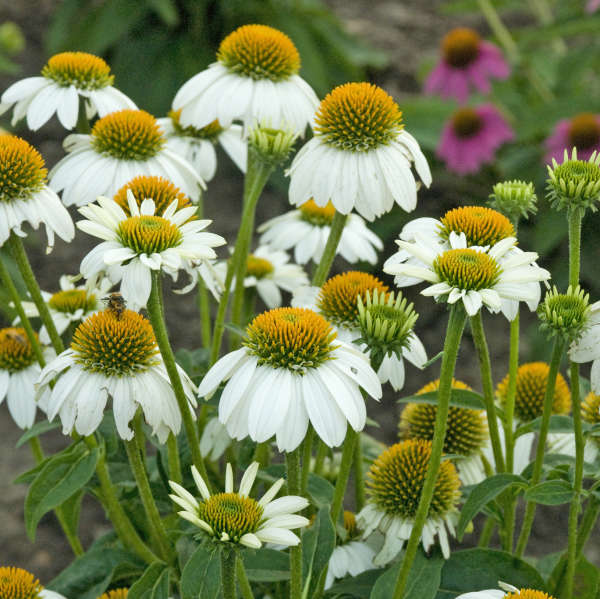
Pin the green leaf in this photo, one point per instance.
(423, 579)
(318, 543)
(39, 428)
(320, 490)
(482, 569)
(558, 424)
(482, 494)
(71, 509)
(461, 398)
(266, 565)
(166, 10)
(61, 477)
(154, 583)
(88, 576)
(586, 581)
(201, 576)
(356, 586)
(550, 492)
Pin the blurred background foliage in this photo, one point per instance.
(153, 46)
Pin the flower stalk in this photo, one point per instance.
(156, 316)
(335, 234)
(454, 331)
(228, 560)
(292, 461)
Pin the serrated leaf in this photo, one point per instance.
(550, 492)
(482, 494)
(61, 477)
(266, 565)
(201, 576)
(423, 580)
(153, 584)
(318, 543)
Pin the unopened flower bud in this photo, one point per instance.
(565, 314)
(272, 146)
(515, 199)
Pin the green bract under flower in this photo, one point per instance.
(231, 514)
(80, 69)
(564, 314)
(358, 117)
(115, 343)
(273, 146)
(22, 170)
(574, 183)
(467, 269)
(128, 135)
(395, 481)
(386, 322)
(292, 338)
(515, 199)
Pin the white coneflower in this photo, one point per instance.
(480, 227)
(197, 146)
(360, 157)
(395, 483)
(474, 275)
(113, 354)
(25, 196)
(292, 355)
(350, 556)
(586, 348)
(214, 440)
(466, 432)
(338, 301)
(254, 79)
(65, 79)
(70, 305)
(19, 370)
(138, 241)
(508, 592)
(235, 517)
(16, 583)
(122, 145)
(307, 231)
(269, 271)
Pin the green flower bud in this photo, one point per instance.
(515, 199)
(272, 146)
(574, 183)
(386, 324)
(564, 314)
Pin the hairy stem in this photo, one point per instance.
(292, 460)
(335, 234)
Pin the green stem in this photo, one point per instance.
(262, 454)
(322, 451)
(292, 461)
(559, 346)
(343, 474)
(577, 481)
(575, 217)
(306, 456)
(359, 483)
(486, 533)
(123, 527)
(157, 529)
(487, 383)
(25, 323)
(18, 251)
(203, 300)
(454, 331)
(228, 559)
(257, 175)
(162, 339)
(335, 234)
(509, 435)
(83, 125)
(173, 457)
(242, 579)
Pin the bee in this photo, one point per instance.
(14, 335)
(115, 303)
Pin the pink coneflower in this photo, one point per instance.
(467, 61)
(581, 132)
(471, 137)
(592, 6)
